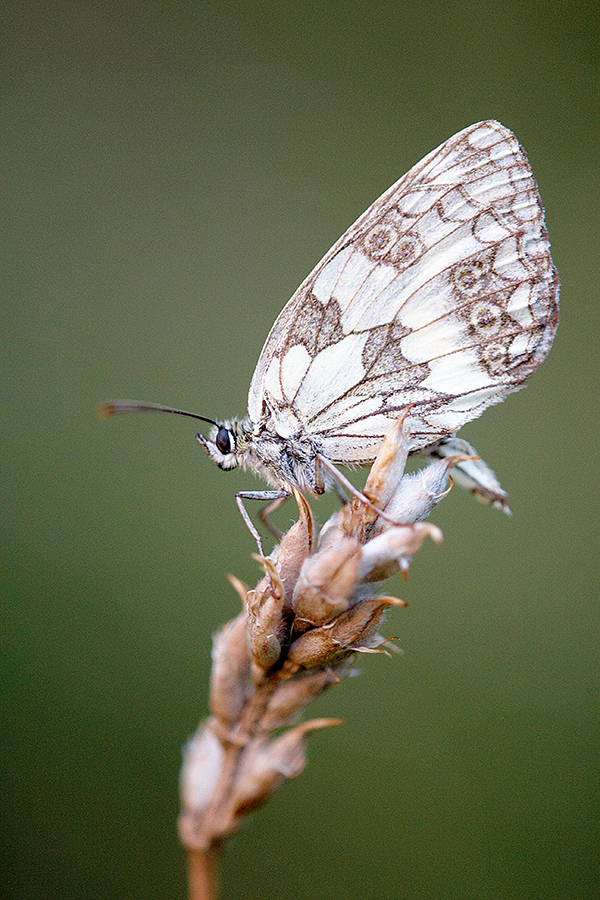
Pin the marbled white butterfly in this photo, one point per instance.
(442, 297)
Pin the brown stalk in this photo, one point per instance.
(315, 608)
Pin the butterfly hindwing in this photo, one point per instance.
(441, 295)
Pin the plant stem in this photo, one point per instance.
(202, 873)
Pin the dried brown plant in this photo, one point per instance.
(316, 607)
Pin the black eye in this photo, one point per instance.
(223, 441)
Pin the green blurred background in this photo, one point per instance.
(171, 172)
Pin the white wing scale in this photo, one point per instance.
(442, 295)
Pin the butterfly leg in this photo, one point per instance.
(266, 511)
(275, 498)
(345, 484)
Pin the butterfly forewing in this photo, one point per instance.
(441, 295)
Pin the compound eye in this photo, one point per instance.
(223, 441)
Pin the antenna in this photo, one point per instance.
(116, 407)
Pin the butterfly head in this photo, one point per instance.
(226, 444)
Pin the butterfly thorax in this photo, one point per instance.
(280, 461)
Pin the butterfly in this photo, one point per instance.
(441, 298)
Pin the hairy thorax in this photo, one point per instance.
(282, 461)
